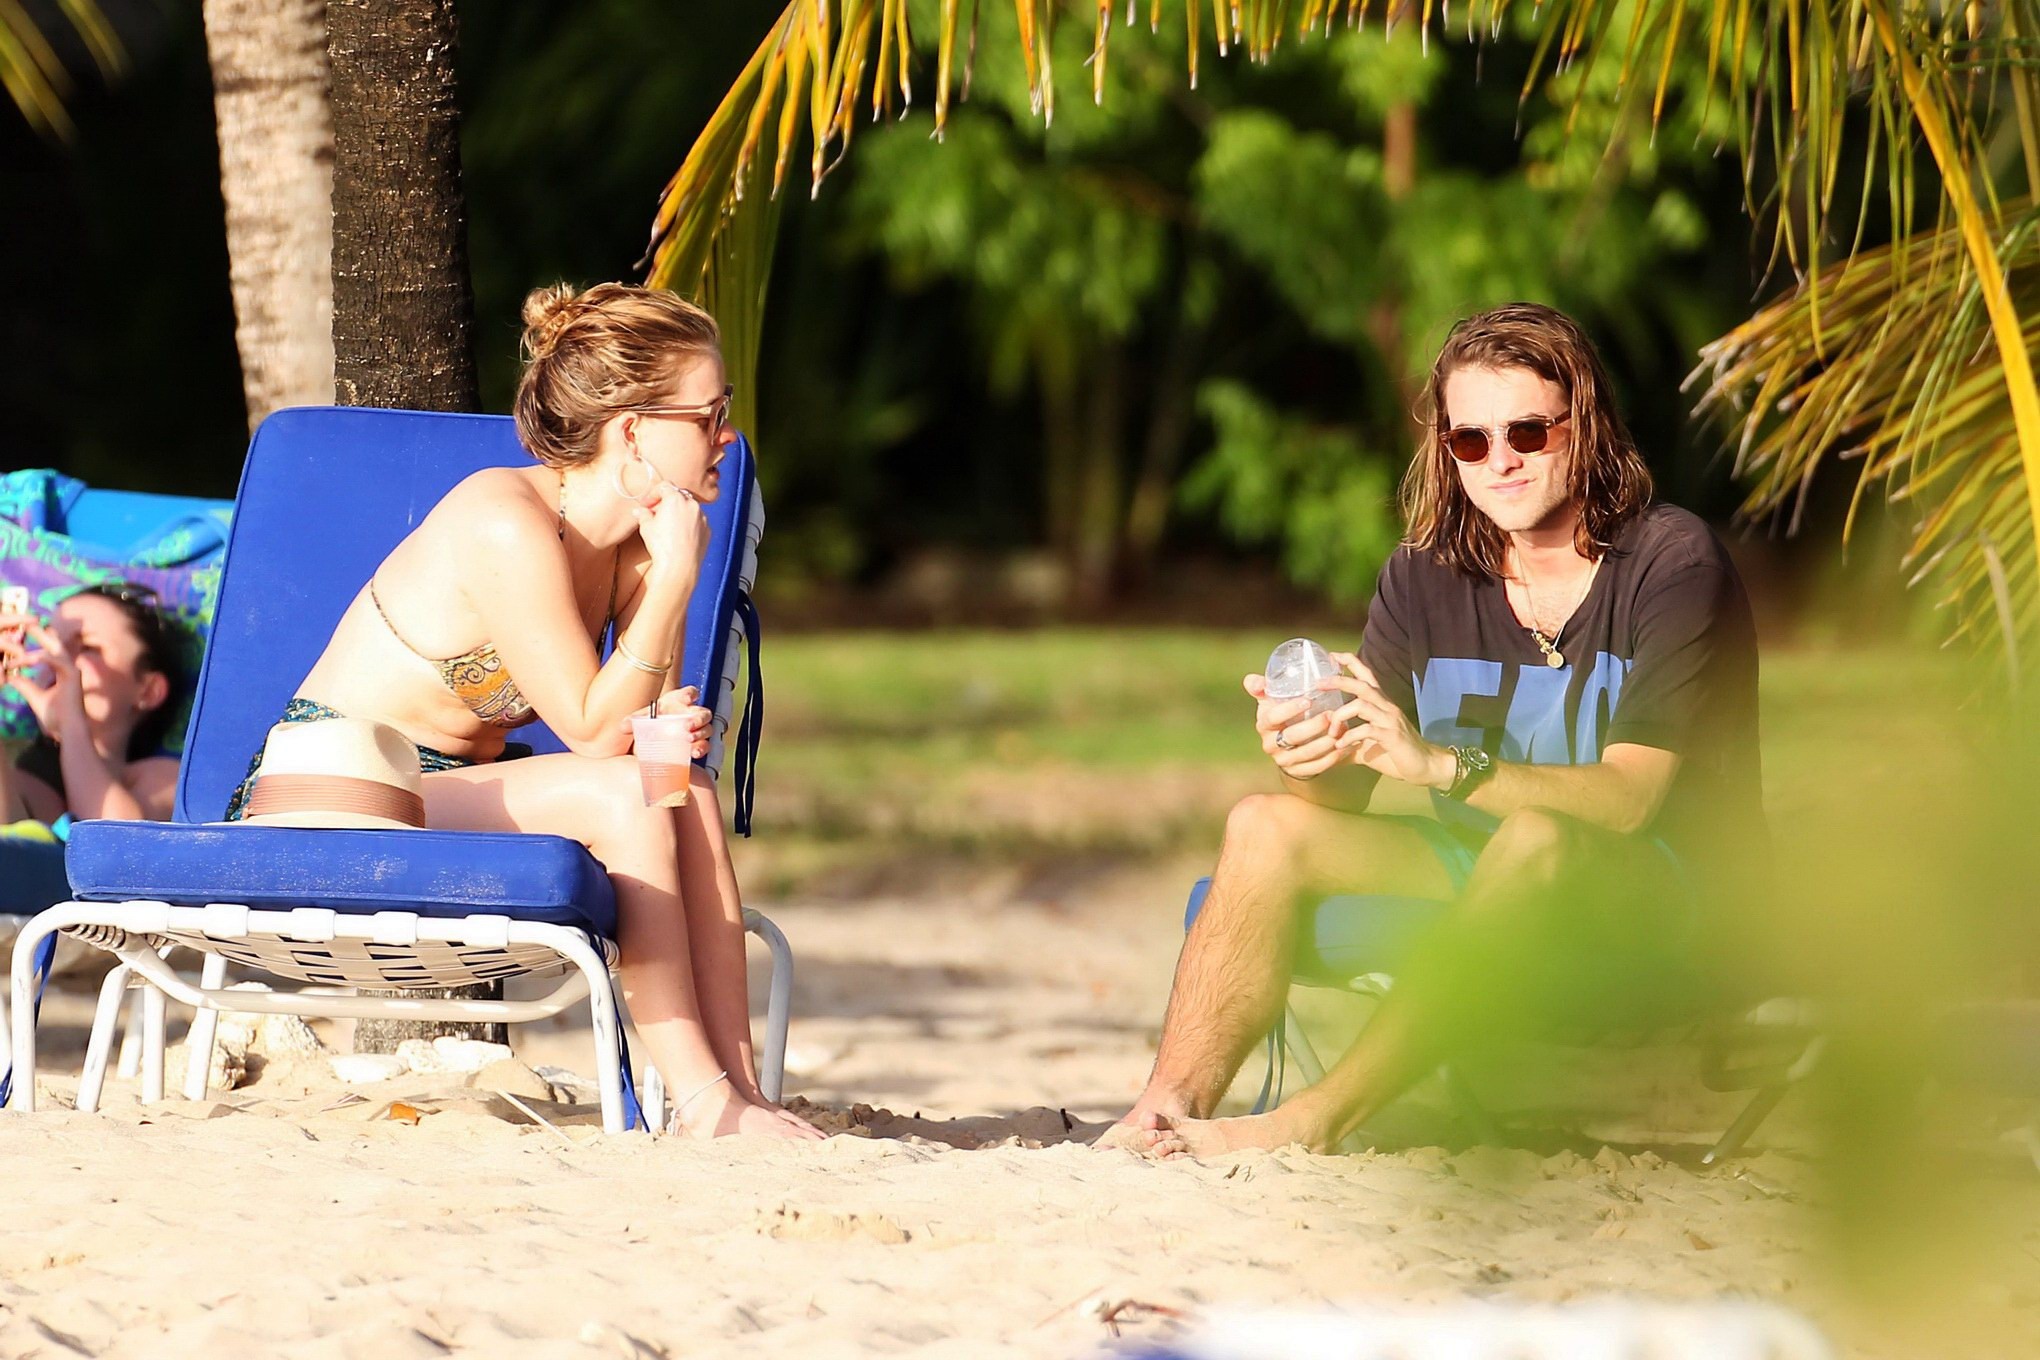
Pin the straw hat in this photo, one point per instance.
(337, 772)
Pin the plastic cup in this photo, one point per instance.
(1295, 667)
(665, 757)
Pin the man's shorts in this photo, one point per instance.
(1456, 845)
(1348, 935)
(1649, 968)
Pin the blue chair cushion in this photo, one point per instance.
(433, 873)
(31, 876)
(1350, 935)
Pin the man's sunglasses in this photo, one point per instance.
(716, 413)
(1531, 434)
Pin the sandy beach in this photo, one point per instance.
(962, 1044)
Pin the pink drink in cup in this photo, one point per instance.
(665, 757)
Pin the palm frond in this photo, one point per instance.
(32, 73)
(1808, 87)
(1901, 373)
(813, 66)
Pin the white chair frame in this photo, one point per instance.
(141, 933)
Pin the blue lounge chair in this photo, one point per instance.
(1358, 942)
(326, 493)
(31, 875)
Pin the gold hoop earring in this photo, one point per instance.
(651, 475)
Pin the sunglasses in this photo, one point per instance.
(1531, 434)
(123, 591)
(716, 413)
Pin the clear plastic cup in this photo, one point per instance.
(665, 757)
(1295, 667)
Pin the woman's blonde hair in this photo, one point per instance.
(1608, 481)
(592, 354)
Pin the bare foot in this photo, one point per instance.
(720, 1112)
(1202, 1138)
(802, 1129)
(801, 1126)
(1149, 1114)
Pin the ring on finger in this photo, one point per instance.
(1282, 742)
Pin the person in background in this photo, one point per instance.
(100, 679)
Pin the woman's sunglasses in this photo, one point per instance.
(1531, 434)
(716, 413)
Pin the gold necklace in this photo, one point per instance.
(1547, 643)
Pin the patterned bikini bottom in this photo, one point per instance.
(304, 711)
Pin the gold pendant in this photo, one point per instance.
(1554, 659)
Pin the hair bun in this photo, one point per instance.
(547, 312)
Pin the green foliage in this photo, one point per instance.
(1055, 261)
(1625, 101)
(1381, 73)
(1305, 210)
(1385, 271)
(1314, 490)
(1851, 122)
(1258, 212)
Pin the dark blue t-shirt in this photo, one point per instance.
(1661, 653)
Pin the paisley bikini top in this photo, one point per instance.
(477, 677)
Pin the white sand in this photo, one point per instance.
(270, 1223)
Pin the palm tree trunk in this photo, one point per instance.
(276, 174)
(1099, 489)
(1063, 449)
(403, 307)
(1172, 410)
(1385, 318)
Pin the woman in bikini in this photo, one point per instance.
(488, 615)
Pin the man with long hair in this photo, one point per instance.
(1570, 670)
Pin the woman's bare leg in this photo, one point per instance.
(600, 804)
(715, 933)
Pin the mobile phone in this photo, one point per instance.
(13, 600)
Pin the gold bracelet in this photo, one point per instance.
(623, 650)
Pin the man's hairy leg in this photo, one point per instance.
(1471, 979)
(1280, 854)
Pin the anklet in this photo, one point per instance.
(698, 1093)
